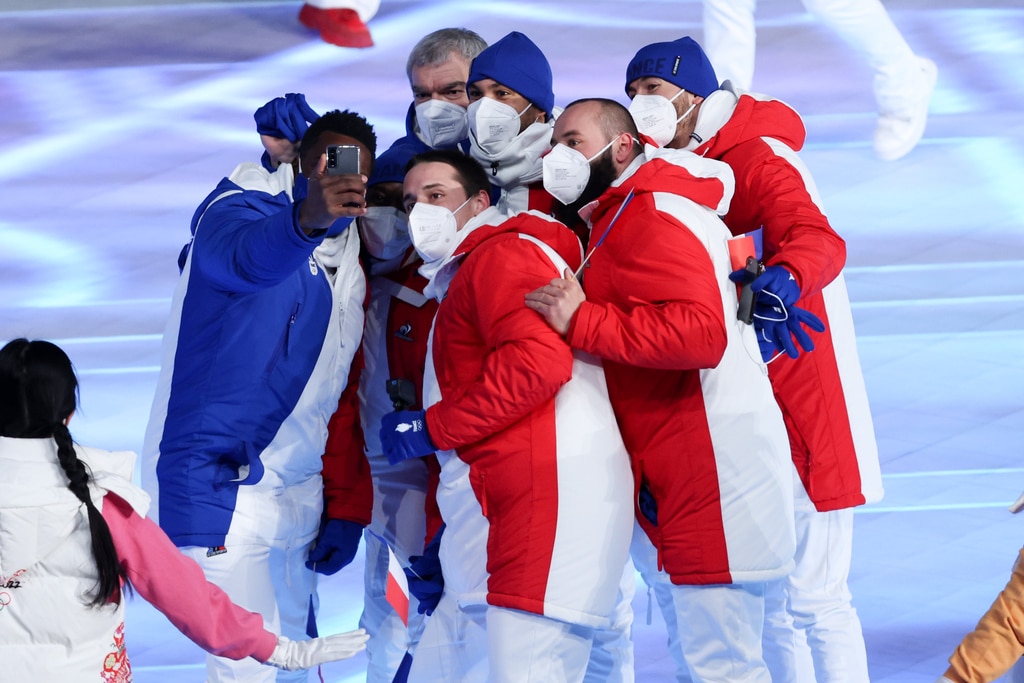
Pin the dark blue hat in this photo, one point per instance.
(515, 62)
(390, 166)
(681, 62)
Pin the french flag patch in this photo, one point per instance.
(397, 591)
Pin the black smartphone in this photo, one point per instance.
(745, 312)
(402, 393)
(342, 160)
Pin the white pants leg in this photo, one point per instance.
(529, 648)
(366, 9)
(867, 27)
(453, 647)
(272, 581)
(389, 637)
(785, 647)
(730, 39)
(721, 634)
(820, 599)
(645, 559)
(611, 658)
(399, 495)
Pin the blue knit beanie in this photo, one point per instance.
(681, 62)
(515, 62)
(390, 166)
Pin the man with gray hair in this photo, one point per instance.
(438, 68)
(398, 321)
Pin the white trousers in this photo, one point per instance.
(399, 495)
(719, 627)
(645, 558)
(819, 603)
(487, 644)
(730, 37)
(611, 657)
(271, 581)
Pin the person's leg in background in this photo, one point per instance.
(903, 81)
(730, 39)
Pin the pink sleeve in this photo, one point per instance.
(162, 575)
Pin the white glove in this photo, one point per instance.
(291, 655)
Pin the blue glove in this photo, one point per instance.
(335, 547)
(775, 336)
(403, 435)
(285, 117)
(648, 506)
(778, 281)
(424, 575)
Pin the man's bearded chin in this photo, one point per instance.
(602, 175)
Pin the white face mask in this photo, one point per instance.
(494, 125)
(385, 232)
(656, 118)
(567, 171)
(433, 229)
(442, 124)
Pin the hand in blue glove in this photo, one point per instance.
(424, 574)
(775, 336)
(648, 506)
(285, 117)
(403, 435)
(778, 281)
(335, 547)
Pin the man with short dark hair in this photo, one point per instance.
(690, 392)
(259, 351)
(535, 486)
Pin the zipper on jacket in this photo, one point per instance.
(283, 341)
(494, 168)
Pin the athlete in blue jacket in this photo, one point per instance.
(265, 325)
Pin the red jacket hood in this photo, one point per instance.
(533, 223)
(752, 118)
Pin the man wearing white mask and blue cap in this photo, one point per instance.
(510, 118)
(678, 104)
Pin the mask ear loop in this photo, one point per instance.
(687, 112)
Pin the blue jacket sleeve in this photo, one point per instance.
(250, 240)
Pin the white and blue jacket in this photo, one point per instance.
(264, 325)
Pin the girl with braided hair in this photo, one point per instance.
(74, 538)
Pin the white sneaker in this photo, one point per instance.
(901, 128)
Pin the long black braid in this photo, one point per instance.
(38, 393)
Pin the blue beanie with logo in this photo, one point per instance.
(515, 62)
(681, 62)
(390, 166)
